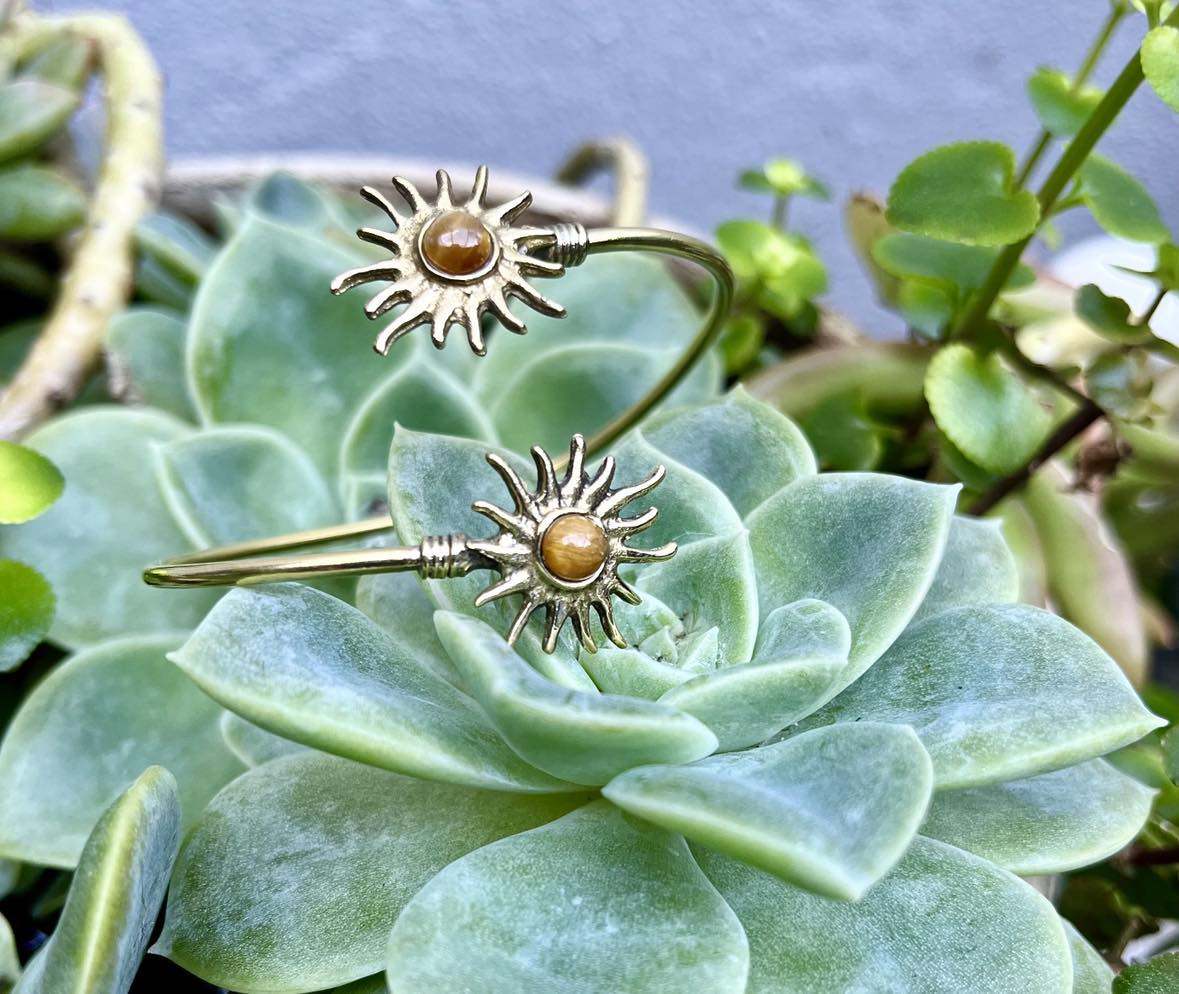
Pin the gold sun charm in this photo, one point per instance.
(562, 545)
(451, 263)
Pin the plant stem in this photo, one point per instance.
(1087, 66)
(1074, 155)
(1082, 418)
(1144, 318)
(778, 218)
(100, 274)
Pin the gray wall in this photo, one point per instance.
(854, 90)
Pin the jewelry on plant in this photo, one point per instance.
(559, 547)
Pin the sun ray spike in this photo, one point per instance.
(625, 527)
(478, 188)
(555, 615)
(575, 470)
(497, 303)
(521, 621)
(609, 626)
(417, 313)
(387, 269)
(380, 201)
(581, 626)
(507, 521)
(526, 292)
(444, 200)
(600, 484)
(546, 473)
(513, 583)
(624, 495)
(440, 326)
(657, 555)
(375, 236)
(626, 591)
(516, 486)
(471, 322)
(530, 265)
(409, 194)
(387, 299)
(506, 213)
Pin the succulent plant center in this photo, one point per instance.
(457, 244)
(574, 547)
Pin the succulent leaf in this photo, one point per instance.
(145, 360)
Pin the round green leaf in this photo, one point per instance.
(29, 483)
(84, 733)
(942, 920)
(580, 737)
(266, 335)
(907, 255)
(26, 612)
(36, 204)
(1120, 203)
(93, 544)
(966, 193)
(314, 670)
(812, 539)
(1061, 106)
(745, 447)
(977, 568)
(31, 112)
(145, 360)
(1047, 824)
(115, 896)
(984, 408)
(297, 870)
(998, 692)
(1156, 976)
(1160, 64)
(1091, 973)
(177, 245)
(831, 810)
(843, 434)
(593, 903)
(1109, 316)
(227, 485)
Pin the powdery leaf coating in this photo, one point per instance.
(997, 693)
(144, 351)
(831, 810)
(251, 744)
(966, 193)
(745, 447)
(312, 669)
(942, 920)
(1091, 973)
(227, 485)
(297, 870)
(579, 737)
(115, 896)
(265, 335)
(813, 538)
(1046, 824)
(110, 522)
(592, 904)
(976, 568)
(88, 729)
(26, 612)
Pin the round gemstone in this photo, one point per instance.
(574, 547)
(457, 244)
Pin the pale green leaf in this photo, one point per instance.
(1160, 64)
(66, 61)
(635, 672)
(31, 111)
(1060, 104)
(966, 193)
(398, 602)
(227, 485)
(1046, 824)
(9, 963)
(87, 730)
(1119, 202)
(941, 921)
(94, 543)
(984, 408)
(966, 267)
(297, 870)
(37, 204)
(115, 896)
(579, 737)
(251, 744)
(1091, 974)
(310, 668)
(1157, 976)
(998, 692)
(801, 652)
(831, 810)
(29, 483)
(813, 538)
(145, 360)
(26, 612)
(745, 447)
(976, 568)
(177, 245)
(267, 337)
(591, 904)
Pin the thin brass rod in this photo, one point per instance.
(224, 570)
(627, 165)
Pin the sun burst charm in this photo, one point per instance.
(561, 546)
(452, 262)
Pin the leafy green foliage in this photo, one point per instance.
(1061, 106)
(778, 269)
(29, 483)
(1160, 63)
(1155, 977)
(1119, 202)
(783, 178)
(963, 193)
(31, 111)
(37, 204)
(1109, 316)
(26, 611)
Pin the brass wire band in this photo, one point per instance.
(240, 564)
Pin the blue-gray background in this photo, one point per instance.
(854, 90)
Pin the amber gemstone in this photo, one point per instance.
(574, 547)
(457, 244)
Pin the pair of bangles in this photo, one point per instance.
(561, 543)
